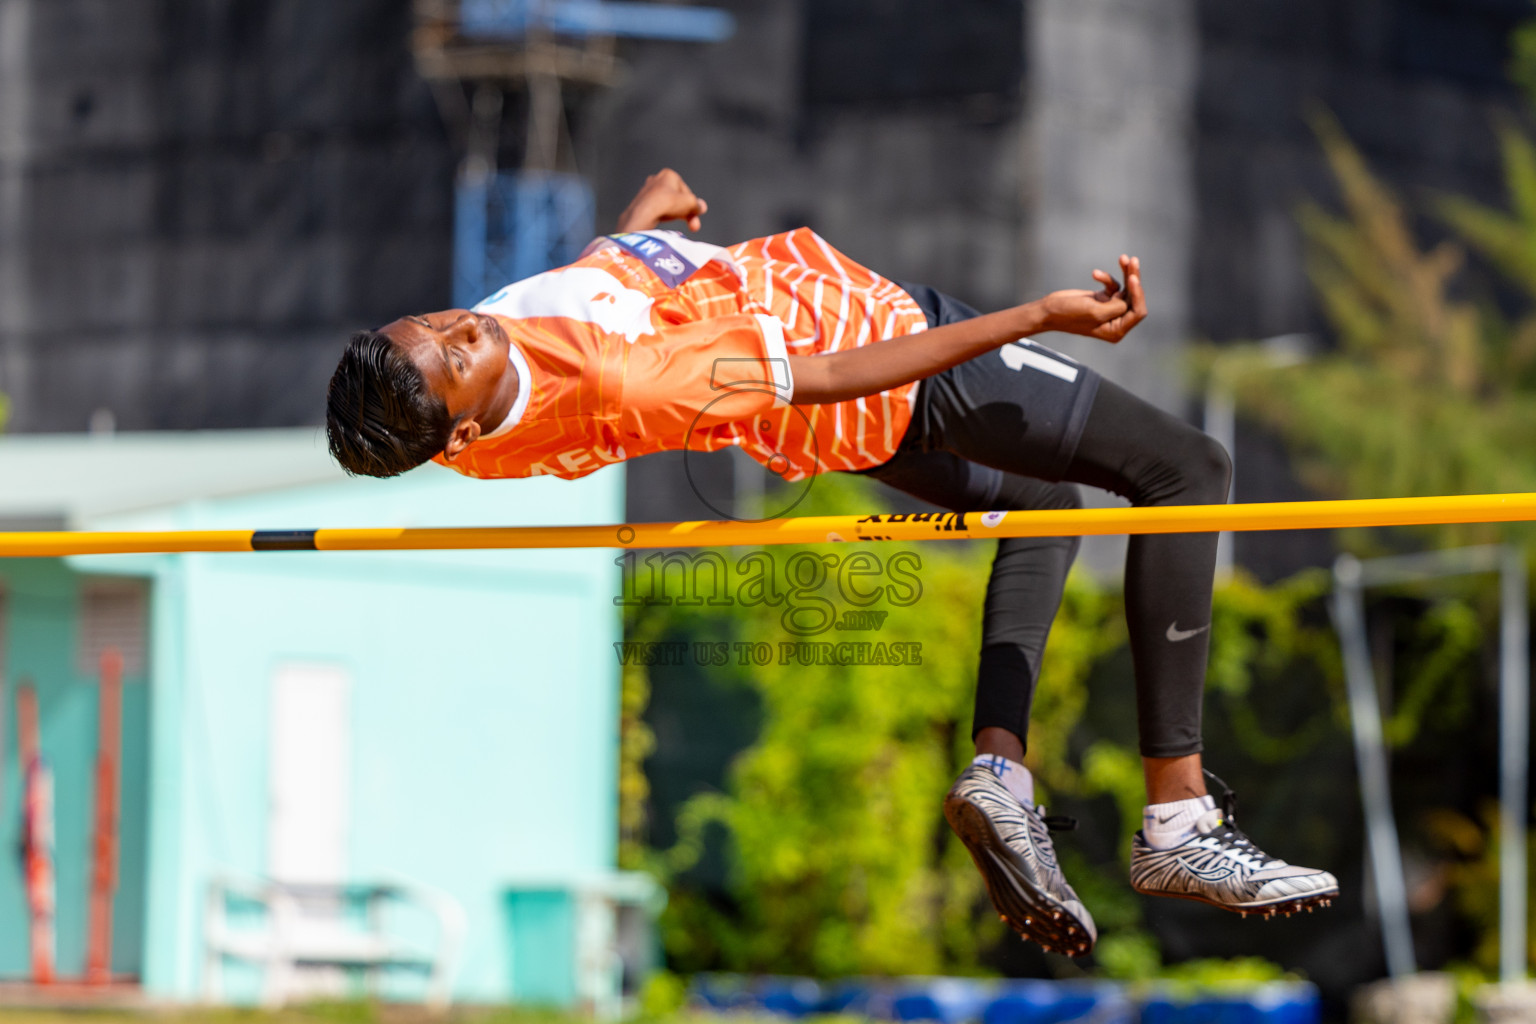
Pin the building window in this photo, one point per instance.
(894, 51)
(1462, 40)
(113, 616)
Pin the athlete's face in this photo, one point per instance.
(463, 358)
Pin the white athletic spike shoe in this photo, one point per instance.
(1221, 866)
(1011, 845)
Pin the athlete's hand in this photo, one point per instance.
(1107, 314)
(664, 196)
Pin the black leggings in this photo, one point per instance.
(976, 445)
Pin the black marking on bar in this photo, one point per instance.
(283, 540)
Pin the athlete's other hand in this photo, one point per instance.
(1107, 314)
(664, 196)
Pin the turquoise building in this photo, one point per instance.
(444, 719)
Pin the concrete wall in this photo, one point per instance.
(199, 200)
(917, 184)
(1417, 84)
(15, 158)
(1110, 135)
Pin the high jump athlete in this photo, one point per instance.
(783, 346)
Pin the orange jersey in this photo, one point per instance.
(613, 362)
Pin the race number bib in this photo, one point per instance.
(663, 259)
(672, 257)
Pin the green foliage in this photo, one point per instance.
(1258, 634)
(1089, 627)
(1442, 671)
(636, 742)
(1134, 957)
(1388, 301)
(1472, 876)
(839, 859)
(1506, 240)
(372, 1012)
(1522, 64)
(1215, 974)
(1427, 392)
(1129, 956)
(840, 864)
(1114, 769)
(663, 995)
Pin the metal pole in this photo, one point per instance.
(1278, 515)
(1371, 757)
(21, 767)
(105, 842)
(1514, 761)
(1220, 413)
(1221, 424)
(37, 833)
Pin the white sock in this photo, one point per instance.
(1014, 776)
(1168, 825)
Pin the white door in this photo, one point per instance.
(311, 752)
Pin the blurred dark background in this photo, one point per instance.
(199, 199)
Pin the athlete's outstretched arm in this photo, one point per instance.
(1107, 314)
(664, 196)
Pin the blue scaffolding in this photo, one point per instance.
(510, 19)
(510, 225)
(515, 224)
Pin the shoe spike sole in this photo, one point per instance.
(1034, 915)
(1288, 909)
(1267, 911)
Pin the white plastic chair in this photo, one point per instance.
(338, 928)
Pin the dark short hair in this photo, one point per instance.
(381, 419)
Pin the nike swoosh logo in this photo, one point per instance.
(1175, 634)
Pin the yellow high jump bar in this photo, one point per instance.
(1280, 515)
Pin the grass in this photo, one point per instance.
(327, 1013)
